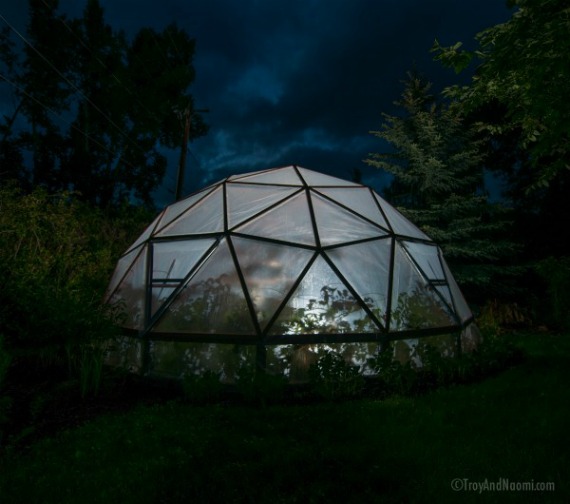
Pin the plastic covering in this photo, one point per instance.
(286, 259)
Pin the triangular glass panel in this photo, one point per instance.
(313, 178)
(146, 233)
(123, 265)
(212, 301)
(176, 209)
(206, 216)
(461, 306)
(322, 304)
(175, 259)
(445, 294)
(289, 222)
(130, 294)
(400, 225)
(366, 266)
(236, 177)
(160, 293)
(415, 304)
(270, 270)
(358, 199)
(337, 225)
(247, 200)
(280, 176)
(427, 257)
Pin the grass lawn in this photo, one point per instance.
(509, 426)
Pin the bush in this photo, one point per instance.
(256, 386)
(497, 315)
(332, 377)
(392, 376)
(56, 257)
(203, 388)
(5, 401)
(555, 272)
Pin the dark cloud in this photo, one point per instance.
(298, 81)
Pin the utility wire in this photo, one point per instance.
(86, 135)
(163, 55)
(172, 40)
(72, 85)
(62, 20)
(76, 128)
(161, 50)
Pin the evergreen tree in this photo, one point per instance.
(438, 184)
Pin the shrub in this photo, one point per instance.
(203, 388)
(259, 387)
(5, 401)
(497, 315)
(56, 257)
(555, 272)
(332, 377)
(393, 376)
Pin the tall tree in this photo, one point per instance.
(43, 89)
(523, 69)
(118, 102)
(437, 166)
(99, 129)
(11, 159)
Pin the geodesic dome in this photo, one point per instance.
(280, 259)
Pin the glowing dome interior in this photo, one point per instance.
(285, 256)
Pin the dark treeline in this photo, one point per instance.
(93, 108)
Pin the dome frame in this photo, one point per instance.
(304, 227)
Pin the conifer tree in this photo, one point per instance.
(437, 164)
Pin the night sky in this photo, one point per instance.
(294, 82)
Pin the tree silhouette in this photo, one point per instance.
(99, 109)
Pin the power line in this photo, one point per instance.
(162, 53)
(62, 20)
(72, 85)
(85, 134)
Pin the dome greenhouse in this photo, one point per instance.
(275, 268)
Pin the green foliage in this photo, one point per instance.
(332, 377)
(432, 363)
(496, 316)
(4, 360)
(56, 256)
(419, 309)
(437, 164)
(208, 304)
(394, 377)
(203, 388)
(256, 386)
(555, 272)
(523, 65)
(436, 155)
(5, 401)
(336, 311)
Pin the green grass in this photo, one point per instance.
(512, 425)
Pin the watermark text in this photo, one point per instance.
(501, 485)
